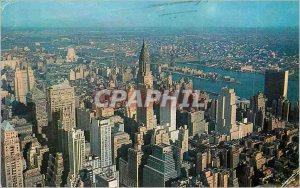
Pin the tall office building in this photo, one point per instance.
(101, 140)
(130, 111)
(257, 102)
(234, 157)
(11, 157)
(201, 162)
(196, 123)
(61, 99)
(121, 144)
(36, 100)
(24, 82)
(160, 167)
(145, 114)
(76, 151)
(55, 170)
(226, 119)
(272, 91)
(134, 167)
(257, 106)
(183, 140)
(131, 170)
(168, 112)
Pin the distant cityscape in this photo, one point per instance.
(150, 107)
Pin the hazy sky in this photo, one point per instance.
(55, 13)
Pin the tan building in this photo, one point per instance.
(160, 136)
(130, 111)
(34, 178)
(145, 114)
(183, 139)
(226, 118)
(196, 123)
(105, 112)
(24, 82)
(71, 55)
(201, 162)
(61, 99)
(72, 75)
(121, 143)
(11, 157)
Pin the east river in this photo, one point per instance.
(250, 82)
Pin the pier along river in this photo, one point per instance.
(250, 82)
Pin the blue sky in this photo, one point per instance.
(55, 13)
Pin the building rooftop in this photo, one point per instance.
(5, 125)
(65, 84)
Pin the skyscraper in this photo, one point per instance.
(121, 143)
(183, 140)
(226, 119)
(144, 73)
(76, 150)
(273, 92)
(134, 167)
(101, 140)
(55, 170)
(131, 170)
(145, 114)
(11, 157)
(257, 106)
(61, 99)
(24, 82)
(201, 162)
(168, 112)
(160, 167)
(36, 100)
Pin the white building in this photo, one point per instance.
(168, 112)
(226, 117)
(76, 150)
(101, 140)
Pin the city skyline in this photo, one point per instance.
(149, 94)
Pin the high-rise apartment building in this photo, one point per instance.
(272, 91)
(11, 157)
(24, 82)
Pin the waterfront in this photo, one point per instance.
(250, 82)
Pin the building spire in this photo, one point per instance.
(144, 60)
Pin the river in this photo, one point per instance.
(250, 82)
